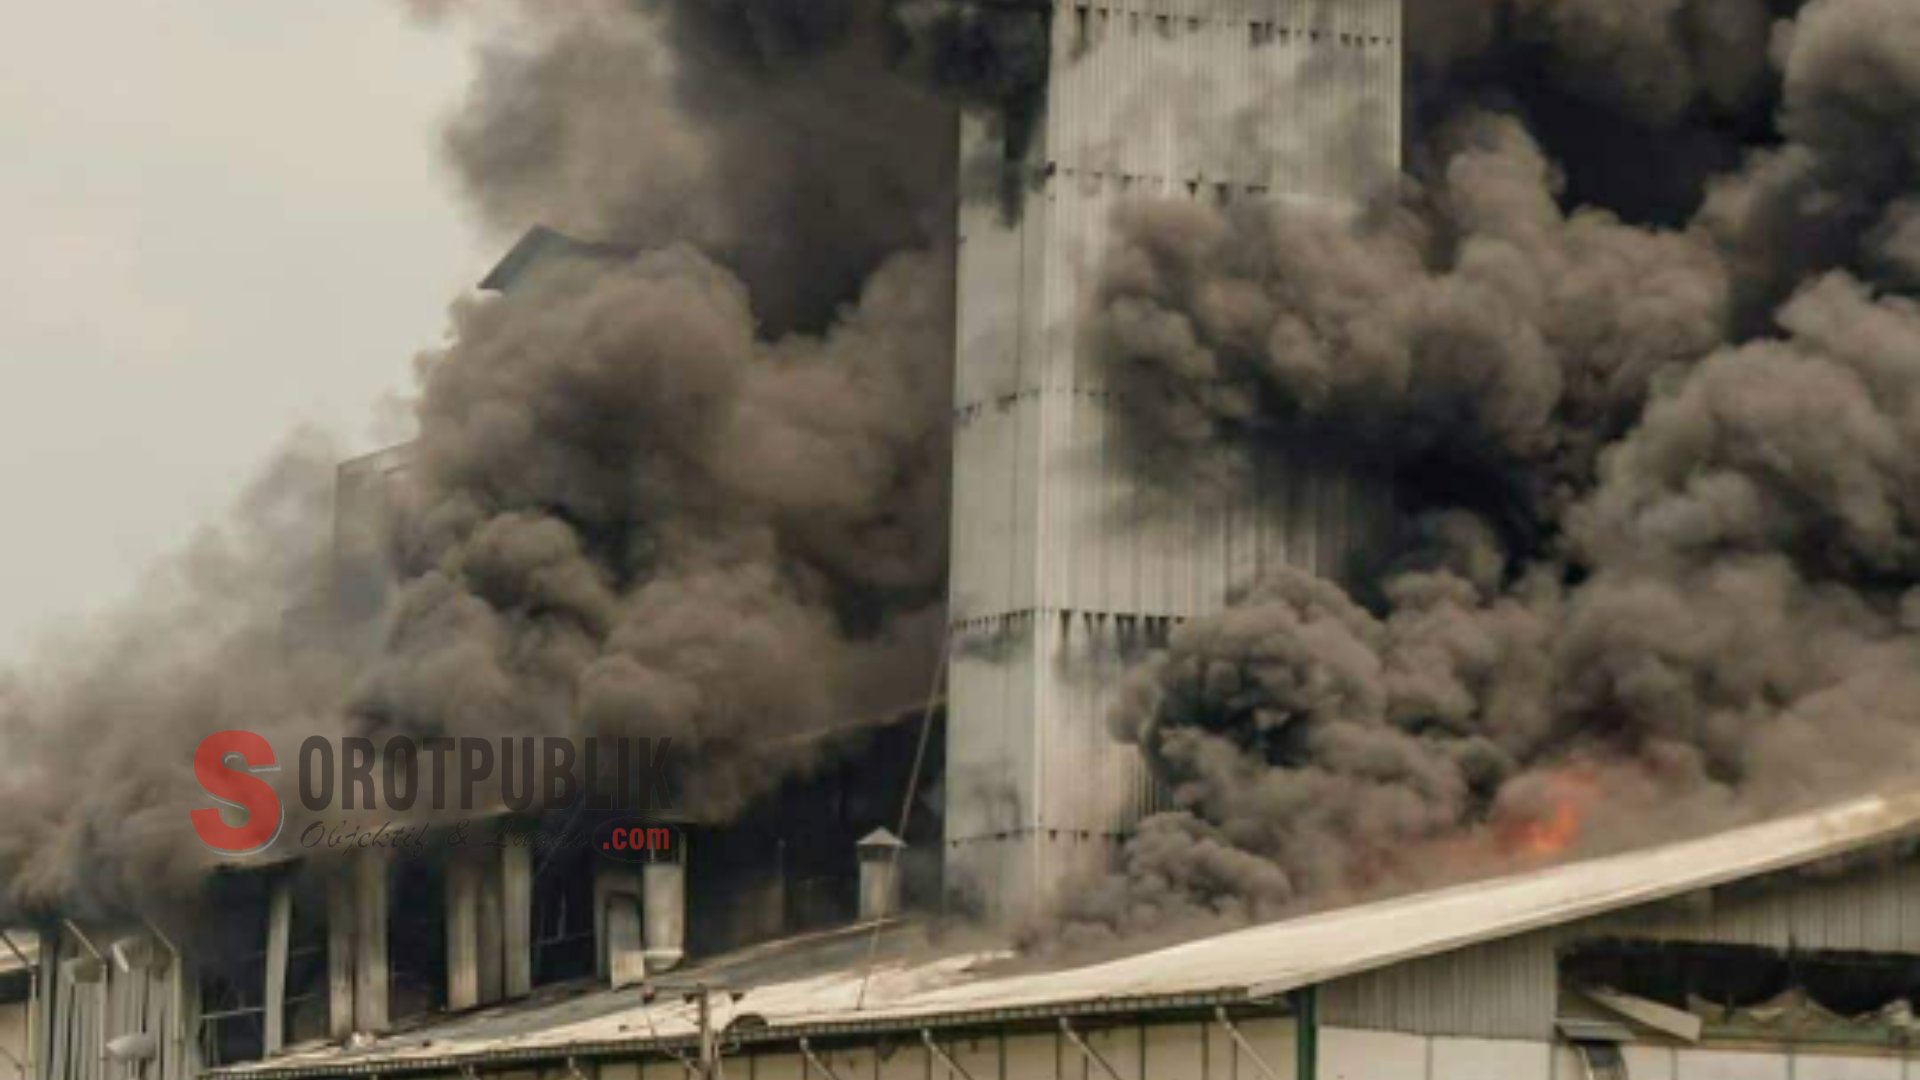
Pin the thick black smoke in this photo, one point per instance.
(701, 492)
(1671, 530)
(697, 490)
(633, 516)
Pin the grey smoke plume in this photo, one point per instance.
(100, 727)
(798, 142)
(701, 492)
(1475, 323)
(698, 491)
(1666, 574)
(634, 515)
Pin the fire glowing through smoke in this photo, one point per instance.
(1549, 826)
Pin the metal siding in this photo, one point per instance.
(977, 1056)
(1030, 1056)
(1501, 990)
(1643, 1063)
(1272, 1039)
(1490, 1059)
(1873, 908)
(1121, 1047)
(1369, 1055)
(1820, 1067)
(903, 1059)
(789, 1066)
(1731, 1065)
(1170, 98)
(619, 1070)
(1177, 1052)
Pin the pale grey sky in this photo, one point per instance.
(223, 219)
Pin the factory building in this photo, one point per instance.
(1788, 950)
(803, 939)
(1065, 568)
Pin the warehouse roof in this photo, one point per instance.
(825, 986)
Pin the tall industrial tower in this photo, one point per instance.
(1060, 577)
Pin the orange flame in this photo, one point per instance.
(1549, 832)
(1543, 838)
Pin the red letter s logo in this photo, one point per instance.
(236, 785)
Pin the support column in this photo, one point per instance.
(463, 932)
(340, 933)
(370, 941)
(616, 917)
(516, 913)
(492, 968)
(279, 943)
(663, 880)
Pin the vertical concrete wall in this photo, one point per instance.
(1064, 570)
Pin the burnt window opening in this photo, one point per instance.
(416, 937)
(1750, 990)
(304, 1010)
(789, 864)
(231, 960)
(563, 916)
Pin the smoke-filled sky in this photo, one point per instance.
(1639, 333)
(1635, 331)
(221, 225)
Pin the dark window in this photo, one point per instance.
(1601, 1060)
(563, 941)
(232, 963)
(416, 937)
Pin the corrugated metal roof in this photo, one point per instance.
(1258, 962)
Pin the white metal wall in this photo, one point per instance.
(1507, 988)
(1501, 990)
(1873, 907)
(88, 1001)
(1062, 563)
(1136, 1051)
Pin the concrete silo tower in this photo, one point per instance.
(1058, 583)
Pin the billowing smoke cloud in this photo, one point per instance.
(633, 514)
(1477, 323)
(692, 483)
(701, 491)
(1665, 575)
(100, 727)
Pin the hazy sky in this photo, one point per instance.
(223, 219)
